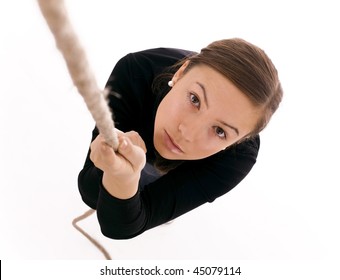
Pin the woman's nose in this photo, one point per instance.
(190, 130)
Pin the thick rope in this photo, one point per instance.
(56, 16)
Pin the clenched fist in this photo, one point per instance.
(122, 168)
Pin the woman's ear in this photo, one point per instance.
(180, 72)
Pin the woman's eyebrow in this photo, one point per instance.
(230, 126)
(204, 94)
(207, 104)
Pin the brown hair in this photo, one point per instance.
(248, 68)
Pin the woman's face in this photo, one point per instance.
(202, 114)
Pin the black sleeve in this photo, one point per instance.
(89, 179)
(130, 100)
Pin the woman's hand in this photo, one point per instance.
(122, 168)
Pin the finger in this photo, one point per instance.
(136, 139)
(106, 149)
(132, 153)
(101, 153)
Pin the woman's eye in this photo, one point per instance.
(220, 132)
(194, 100)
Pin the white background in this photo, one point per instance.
(288, 206)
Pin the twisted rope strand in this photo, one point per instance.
(67, 42)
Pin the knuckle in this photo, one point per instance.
(133, 135)
(140, 158)
(133, 132)
(93, 158)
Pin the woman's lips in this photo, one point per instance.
(171, 145)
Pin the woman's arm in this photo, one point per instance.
(130, 81)
(92, 174)
(89, 179)
(180, 191)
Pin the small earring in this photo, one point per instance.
(171, 83)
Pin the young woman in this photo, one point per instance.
(188, 130)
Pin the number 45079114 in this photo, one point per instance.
(217, 270)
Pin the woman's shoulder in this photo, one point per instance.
(240, 157)
(148, 63)
(250, 146)
(221, 172)
(162, 53)
(156, 59)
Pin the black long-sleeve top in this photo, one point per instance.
(160, 198)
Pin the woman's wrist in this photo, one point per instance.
(121, 189)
